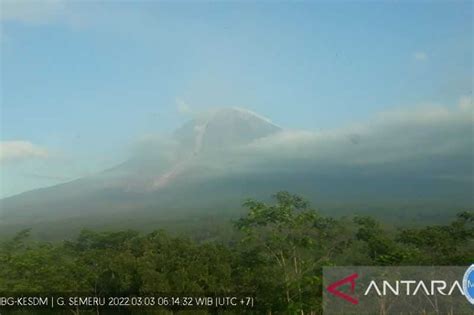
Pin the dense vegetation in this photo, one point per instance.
(277, 256)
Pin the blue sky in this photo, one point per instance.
(82, 81)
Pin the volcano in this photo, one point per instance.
(158, 182)
(207, 167)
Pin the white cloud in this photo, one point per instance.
(31, 12)
(183, 108)
(466, 103)
(73, 14)
(420, 56)
(20, 150)
(397, 137)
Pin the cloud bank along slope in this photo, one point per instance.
(431, 142)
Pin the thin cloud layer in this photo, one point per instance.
(11, 151)
(32, 12)
(391, 136)
(433, 141)
(420, 56)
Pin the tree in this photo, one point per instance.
(288, 242)
(451, 244)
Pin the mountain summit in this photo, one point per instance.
(223, 128)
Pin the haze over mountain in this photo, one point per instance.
(212, 163)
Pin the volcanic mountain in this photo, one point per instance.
(206, 168)
(165, 179)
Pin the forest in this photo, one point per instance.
(276, 255)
